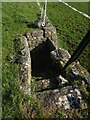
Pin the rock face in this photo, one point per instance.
(55, 88)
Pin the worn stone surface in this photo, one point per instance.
(50, 32)
(25, 66)
(61, 56)
(37, 37)
(34, 39)
(66, 97)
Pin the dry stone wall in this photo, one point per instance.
(55, 93)
(28, 42)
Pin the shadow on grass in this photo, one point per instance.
(31, 25)
(28, 24)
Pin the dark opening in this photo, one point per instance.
(41, 62)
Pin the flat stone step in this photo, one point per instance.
(65, 97)
(51, 83)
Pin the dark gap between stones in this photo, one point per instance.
(41, 62)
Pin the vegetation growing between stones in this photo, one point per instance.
(18, 18)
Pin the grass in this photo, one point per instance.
(13, 16)
(84, 7)
(17, 18)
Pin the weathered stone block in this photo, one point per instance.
(25, 65)
(37, 33)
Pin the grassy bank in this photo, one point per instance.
(17, 18)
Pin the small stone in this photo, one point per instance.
(37, 33)
(78, 94)
(34, 38)
(63, 102)
(75, 70)
(28, 36)
(61, 80)
(64, 53)
(71, 91)
(23, 52)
